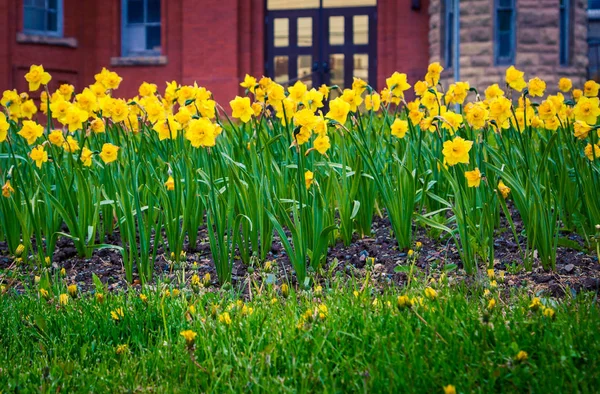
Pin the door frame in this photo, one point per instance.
(321, 48)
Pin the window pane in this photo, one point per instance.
(135, 11)
(336, 65)
(360, 25)
(135, 38)
(336, 30)
(281, 73)
(281, 26)
(361, 66)
(305, 32)
(504, 45)
(153, 38)
(348, 3)
(291, 4)
(153, 11)
(504, 21)
(594, 4)
(35, 19)
(305, 69)
(52, 21)
(505, 3)
(449, 40)
(52, 4)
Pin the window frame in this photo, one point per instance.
(505, 60)
(448, 33)
(565, 34)
(49, 33)
(125, 51)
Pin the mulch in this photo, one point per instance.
(576, 269)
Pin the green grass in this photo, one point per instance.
(359, 346)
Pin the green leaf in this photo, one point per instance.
(97, 283)
(450, 267)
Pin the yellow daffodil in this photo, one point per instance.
(86, 156)
(587, 110)
(590, 88)
(7, 189)
(39, 155)
(457, 151)
(503, 189)
(321, 144)
(536, 87)
(241, 108)
(109, 153)
(338, 110)
(36, 77)
(514, 79)
(308, 178)
(592, 154)
(399, 128)
(4, 126)
(201, 133)
(249, 83)
(564, 85)
(190, 337)
(473, 177)
(31, 131)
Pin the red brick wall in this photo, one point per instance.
(402, 37)
(213, 42)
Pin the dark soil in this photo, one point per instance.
(576, 269)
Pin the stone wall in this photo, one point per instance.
(537, 42)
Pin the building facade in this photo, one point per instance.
(544, 38)
(216, 42)
(212, 42)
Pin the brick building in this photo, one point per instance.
(213, 42)
(216, 42)
(544, 38)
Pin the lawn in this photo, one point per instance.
(344, 337)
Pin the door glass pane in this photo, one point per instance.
(281, 69)
(305, 69)
(348, 3)
(291, 4)
(281, 27)
(361, 66)
(360, 25)
(336, 65)
(336, 30)
(304, 32)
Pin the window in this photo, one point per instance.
(565, 32)
(42, 17)
(141, 28)
(504, 32)
(594, 40)
(448, 33)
